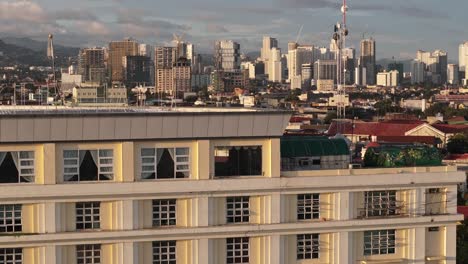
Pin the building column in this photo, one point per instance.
(342, 250)
(201, 161)
(272, 166)
(129, 214)
(52, 255)
(48, 165)
(416, 251)
(204, 252)
(276, 206)
(126, 169)
(52, 222)
(277, 246)
(451, 244)
(130, 253)
(344, 206)
(202, 212)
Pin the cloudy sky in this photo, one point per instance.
(400, 27)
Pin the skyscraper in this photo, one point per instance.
(436, 64)
(265, 53)
(137, 70)
(367, 60)
(452, 74)
(417, 71)
(117, 51)
(164, 59)
(227, 55)
(275, 73)
(91, 64)
(463, 55)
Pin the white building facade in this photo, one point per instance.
(160, 186)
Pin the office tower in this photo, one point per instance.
(275, 73)
(418, 72)
(388, 79)
(165, 57)
(298, 56)
(118, 50)
(227, 55)
(325, 70)
(265, 53)
(367, 60)
(463, 55)
(349, 58)
(397, 66)
(435, 63)
(452, 74)
(146, 50)
(181, 76)
(91, 65)
(190, 52)
(307, 74)
(137, 70)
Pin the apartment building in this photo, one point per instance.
(206, 186)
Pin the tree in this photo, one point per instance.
(329, 117)
(458, 144)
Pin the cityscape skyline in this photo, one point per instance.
(94, 23)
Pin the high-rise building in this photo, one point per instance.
(463, 55)
(265, 53)
(91, 65)
(397, 66)
(275, 66)
(367, 60)
(452, 74)
(388, 79)
(227, 55)
(325, 70)
(307, 75)
(297, 56)
(436, 65)
(118, 50)
(165, 57)
(137, 70)
(181, 76)
(418, 72)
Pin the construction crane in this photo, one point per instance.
(299, 33)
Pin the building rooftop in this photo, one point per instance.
(391, 128)
(66, 110)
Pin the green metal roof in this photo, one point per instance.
(292, 147)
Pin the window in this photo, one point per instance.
(16, 166)
(308, 206)
(10, 218)
(88, 215)
(164, 212)
(237, 209)
(164, 252)
(11, 255)
(308, 246)
(238, 161)
(88, 254)
(88, 165)
(380, 203)
(237, 250)
(380, 242)
(435, 201)
(165, 163)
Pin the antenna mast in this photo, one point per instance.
(341, 32)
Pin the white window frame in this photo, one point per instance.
(380, 203)
(237, 209)
(25, 166)
(10, 218)
(181, 162)
(308, 246)
(88, 254)
(90, 210)
(308, 206)
(379, 242)
(238, 250)
(105, 164)
(14, 255)
(164, 252)
(164, 212)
